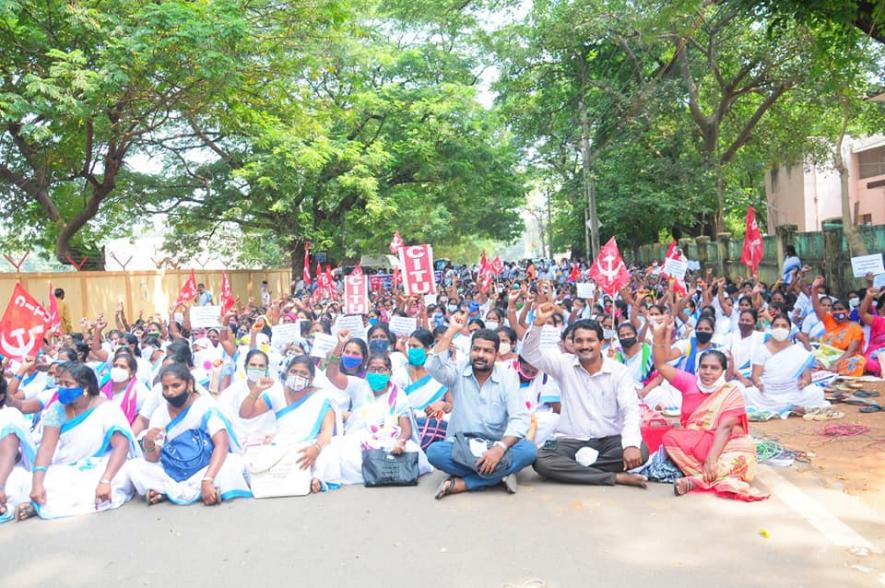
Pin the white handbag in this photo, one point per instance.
(274, 470)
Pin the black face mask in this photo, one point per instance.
(703, 337)
(745, 329)
(177, 401)
(628, 342)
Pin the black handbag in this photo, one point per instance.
(382, 468)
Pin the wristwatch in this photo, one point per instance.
(501, 444)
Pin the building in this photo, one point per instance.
(806, 195)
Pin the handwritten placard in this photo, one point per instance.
(205, 316)
(429, 299)
(586, 289)
(286, 333)
(675, 268)
(353, 323)
(403, 325)
(867, 264)
(550, 337)
(322, 345)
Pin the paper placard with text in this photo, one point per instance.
(286, 333)
(322, 345)
(429, 299)
(867, 264)
(675, 268)
(203, 317)
(586, 289)
(550, 337)
(403, 326)
(353, 323)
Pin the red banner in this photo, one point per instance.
(330, 283)
(227, 298)
(305, 274)
(356, 293)
(188, 291)
(751, 256)
(396, 243)
(23, 326)
(609, 271)
(54, 315)
(417, 269)
(497, 266)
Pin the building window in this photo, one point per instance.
(871, 162)
(866, 219)
(774, 172)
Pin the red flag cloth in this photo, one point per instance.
(23, 326)
(674, 253)
(305, 274)
(485, 281)
(497, 265)
(227, 296)
(396, 243)
(483, 264)
(575, 274)
(330, 283)
(356, 293)
(609, 271)
(357, 271)
(417, 269)
(751, 256)
(54, 315)
(188, 291)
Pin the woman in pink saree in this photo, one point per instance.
(713, 448)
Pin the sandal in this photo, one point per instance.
(24, 511)
(871, 408)
(445, 488)
(686, 482)
(823, 414)
(865, 394)
(153, 497)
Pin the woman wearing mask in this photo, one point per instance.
(638, 358)
(812, 327)
(15, 441)
(713, 448)
(690, 350)
(346, 372)
(875, 352)
(507, 348)
(381, 419)
(124, 387)
(381, 340)
(254, 429)
(781, 377)
(744, 346)
(301, 415)
(178, 351)
(152, 354)
(841, 333)
(431, 402)
(188, 448)
(86, 441)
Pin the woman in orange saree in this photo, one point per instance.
(713, 448)
(842, 333)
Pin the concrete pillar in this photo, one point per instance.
(784, 235)
(833, 260)
(722, 240)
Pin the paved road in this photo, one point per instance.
(566, 536)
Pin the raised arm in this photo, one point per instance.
(95, 346)
(120, 318)
(224, 337)
(661, 349)
(815, 301)
(333, 372)
(511, 316)
(864, 310)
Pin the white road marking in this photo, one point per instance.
(820, 517)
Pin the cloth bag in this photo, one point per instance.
(274, 470)
(382, 468)
(187, 454)
(467, 448)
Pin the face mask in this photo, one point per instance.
(69, 395)
(840, 316)
(493, 325)
(780, 335)
(297, 383)
(710, 389)
(628, 342)
(177, 401)
(523, 375)
(704, 337)
(504, 348)
(452, 307)
(377, 382)
(373, 321)
(50, 382)
(351, 362)
(254, 374)
(379, 346)
(853, 302)
(119, 375)
(417, 356)
(147, 351)
(608, 334)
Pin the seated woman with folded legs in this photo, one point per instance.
(188, 448)
(303, 415)
(842, 334)
(17, 452)
(86, 441)
(713, 448)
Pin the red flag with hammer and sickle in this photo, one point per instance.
(188, 291)
(227, 297)
(609, 271)
(23, 326)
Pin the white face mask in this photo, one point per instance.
(780, 335)
(119, 375)
(254, 374)
(504, 349)
(297, 383)
(853, 302)
(492, 325)
(710, 389)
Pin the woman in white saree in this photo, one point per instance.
(189, 448)
(86, 441)
(782, 374)
(17, 453)
(303, 417)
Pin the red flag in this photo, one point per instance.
(497, 266)
(23, 326)
(330, 283)
(575, 274)
(751, 256)
(188, 291)
(396, 244)
(227, 297)
(305, 274)
(678, 283)
(54, 316)
(485, 281)
(609, 271)
(357, 271)
(356, 293)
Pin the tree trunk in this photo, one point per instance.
(587, 164)
(296, 259)
(855, 242)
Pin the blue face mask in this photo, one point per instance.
(417, 356)
(69, 395)
(351, 362)
(373, 321)
(377, 382)
(378, 346)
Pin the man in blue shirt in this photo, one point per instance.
(487, 404)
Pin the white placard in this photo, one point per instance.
(286, 333)
(351, 322)
(550, 337)
(205, 316)
(879, 281)
(403, 325)
(586, 289)
(675, 268)
(803, 304)
(867, 264)
(322, 345)
(429, 299)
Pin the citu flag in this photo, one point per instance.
(305, 274)
(227, 297)
(751, 256)
(23, 326)
(609, 271)
(188, 290)
(497, 265)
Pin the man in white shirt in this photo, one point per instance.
(597, 438)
